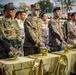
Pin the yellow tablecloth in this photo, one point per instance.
(71, 60)
(22, 66)
(49, 65)
(56, 63)
(35, 65)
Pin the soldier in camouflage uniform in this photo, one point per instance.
(33, 31)
(10, 37)
(65, 31)
(55, 31)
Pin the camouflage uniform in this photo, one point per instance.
(55, 34)
(33, 31)
(65, 28)
(9, 33)
(9, 36)
(1, 17)
(71, 28)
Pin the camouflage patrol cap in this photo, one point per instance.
(9, 6)
(26, 9)
(57, 8)
(35, 6)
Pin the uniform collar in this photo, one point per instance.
(56, 20)
(10, 20)
(73, 22)
(45, 22)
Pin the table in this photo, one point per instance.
(71, 60)
(22, 66)
(53, 64)
(49, 64)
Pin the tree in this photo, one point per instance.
(1, 6)
(69, 4)
(23, 6)
(46, 5)
(66, 4)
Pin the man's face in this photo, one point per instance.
(23, 16)
(69, 17)
(45, 17)
(11, 13)
(57, 13)
(35, 12)
(74, 17)
(19, 16)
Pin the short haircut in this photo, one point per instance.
(56, 8)
(73, 13)
(69, 14)
(18, 12)
(22, 12)
(42, 14)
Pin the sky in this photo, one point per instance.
(28, 2)
(16, 2)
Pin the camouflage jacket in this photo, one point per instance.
(65, 30)
(33, 32)
(9, 35)
(55, 34)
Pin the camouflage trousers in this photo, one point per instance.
(31, 50)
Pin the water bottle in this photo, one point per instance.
(62, 46)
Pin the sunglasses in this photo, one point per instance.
(37, 9)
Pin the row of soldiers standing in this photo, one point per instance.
(10, 35)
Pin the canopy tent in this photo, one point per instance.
(1, 9)
(49, 14)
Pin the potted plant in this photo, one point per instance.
(14, 54)
(44, 50)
